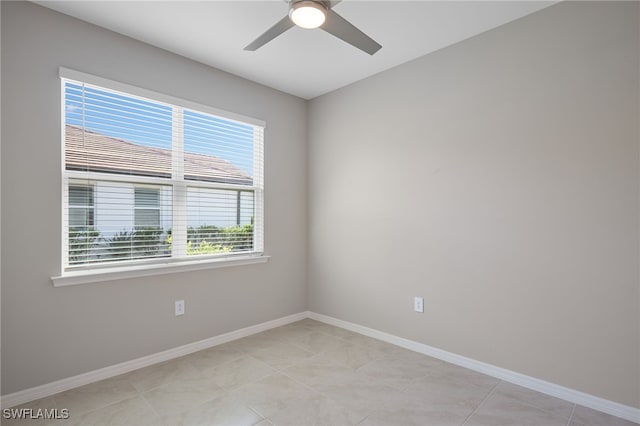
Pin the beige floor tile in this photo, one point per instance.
(317, 342)
(413, 414)
(288, 332)
(361, 394)
(130, 412)
(500, 410)
(183, 395)
(272, 394)
(361, 339)
(588, 417)
(164, 373)
(208, 359)
(223, 411)
(321, 384)
(350, 355)
(415, 358)
(445, 395)
(307, 322)
(255, 343)
(318, 411)
(539, 400)
(370, 342)
(95, 395)
(265, 422)
(394, 372)
(462, 376)
(282, 355)
(318, 370)
(338, 332)
(239, 372)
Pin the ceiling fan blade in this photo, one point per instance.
(338, 26)
(281, 26)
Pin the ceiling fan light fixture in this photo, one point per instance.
(308, 14)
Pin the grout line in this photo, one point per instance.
(153, 410)
(324, 395)
(284, 373)
(100, 406)
(363, 420)
(481, 402)
(573, 410)
(415, 380)
(254, 410)
(539, 408)
(262, 417)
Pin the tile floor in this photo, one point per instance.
(310, 373)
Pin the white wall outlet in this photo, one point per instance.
(179, 307)
(418, 304)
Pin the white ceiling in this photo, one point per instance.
(305, 63)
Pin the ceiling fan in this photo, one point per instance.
(317, 14)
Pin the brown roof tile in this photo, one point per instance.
(90, 151)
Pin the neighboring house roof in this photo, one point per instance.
(90, 151)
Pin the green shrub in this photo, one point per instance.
(210, 239)
(239, 238)
(136, 244)
(206, 247)
(82, 242)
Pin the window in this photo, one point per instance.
(149, 178)
(81, 207)
(81, 222)
(147, 208)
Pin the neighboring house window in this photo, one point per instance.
(81, 218)
(149, 176)
(147, 208)
(81, 206)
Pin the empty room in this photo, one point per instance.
(314, 212)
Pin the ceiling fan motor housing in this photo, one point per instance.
(307, 14)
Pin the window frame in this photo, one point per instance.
(71, 275)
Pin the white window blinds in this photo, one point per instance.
(152, 178)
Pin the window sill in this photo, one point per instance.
(111, 274)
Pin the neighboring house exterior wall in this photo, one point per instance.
(230, 208)
(111, 218)
(227, 211)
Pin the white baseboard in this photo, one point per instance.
(571, 395)
(49, 389)
(577, 397)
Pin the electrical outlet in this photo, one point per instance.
(179, 307)
(418, 304)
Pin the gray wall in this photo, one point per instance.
(498, 178)
(51, 333)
